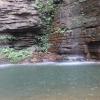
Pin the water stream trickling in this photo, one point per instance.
(74, 58)
(81, 34)
(72, 42)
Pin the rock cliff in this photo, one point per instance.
(17, 15)
(81, 18)
(20, 19)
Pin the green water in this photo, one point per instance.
(50, 82)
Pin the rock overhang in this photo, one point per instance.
(18, 15)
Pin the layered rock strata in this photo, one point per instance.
(19, 17)
(81, 18)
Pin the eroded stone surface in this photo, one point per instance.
(43, 57)
(81, 18)
(18, 15)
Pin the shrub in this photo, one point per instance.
(15, 55)
(47, 10)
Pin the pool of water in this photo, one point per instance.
(78, 81)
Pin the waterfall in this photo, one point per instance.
(82, 29)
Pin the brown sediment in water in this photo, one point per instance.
(52, 98)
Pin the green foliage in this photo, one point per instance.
(2, 37)
(46, 7)
(14, 55)
(47, 10)
(44, 45)
(60, 30)
(6, 37)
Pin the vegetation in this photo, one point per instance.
(60, 30)
(47, 10)
(15, 55)
(5, 37)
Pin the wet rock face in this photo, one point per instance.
(18, 16)
(81, 18)
(80, 13)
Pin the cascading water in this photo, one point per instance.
(71, 46)
(80, 19)
(69, 80)
(74, 58)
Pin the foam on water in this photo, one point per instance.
(50, 64)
